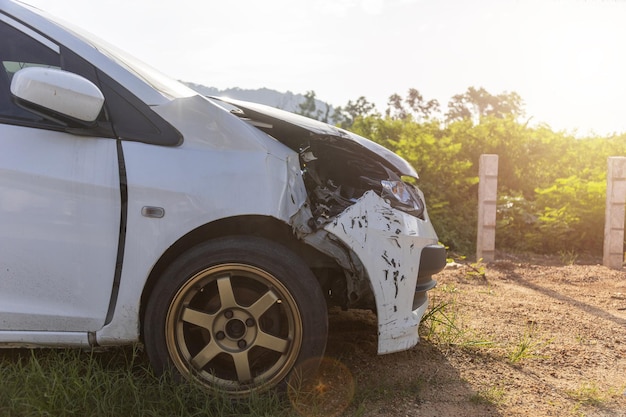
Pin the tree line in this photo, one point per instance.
(551, 185)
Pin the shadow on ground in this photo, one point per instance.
(417, 382)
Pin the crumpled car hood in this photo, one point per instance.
(295, 130)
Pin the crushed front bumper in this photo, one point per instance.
(399, 253)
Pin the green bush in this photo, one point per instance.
(551, 185)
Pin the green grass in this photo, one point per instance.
(490, 396)
(590, 394)
(442, 325)
(118, 382)
(528, 345)
(568, 257)
(476, 270)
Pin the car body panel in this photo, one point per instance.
(213, 175)
(389, 244)
(59, 226)
(36, 339)
(288, 127)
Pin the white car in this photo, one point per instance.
(216, 233)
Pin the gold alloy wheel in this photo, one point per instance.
(235, 328)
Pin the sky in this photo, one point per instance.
(565, 58)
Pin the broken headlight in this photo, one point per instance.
(403, 196)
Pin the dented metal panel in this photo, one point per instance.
(388, 244)
(225, 168)
(291, 129)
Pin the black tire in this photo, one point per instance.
(237, 314)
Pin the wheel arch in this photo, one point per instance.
(259, 226)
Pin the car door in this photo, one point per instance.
(59, 207)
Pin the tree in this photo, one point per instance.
(418, 108)
(475, 104)
(421, 107)
(551, 185)
(395, 109)
(308, 108)
(353, 110)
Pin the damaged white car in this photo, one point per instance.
(217, 233)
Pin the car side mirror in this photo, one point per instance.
(57, 95)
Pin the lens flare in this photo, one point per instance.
(326, 392)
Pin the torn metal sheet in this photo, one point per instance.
(388, 244)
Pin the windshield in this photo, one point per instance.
(153, 77)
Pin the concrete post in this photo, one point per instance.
(614, 213)
(487, 200)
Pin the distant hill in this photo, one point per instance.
(285, 101)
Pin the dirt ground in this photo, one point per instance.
(515, 337)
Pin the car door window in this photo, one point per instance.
(17, 51)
